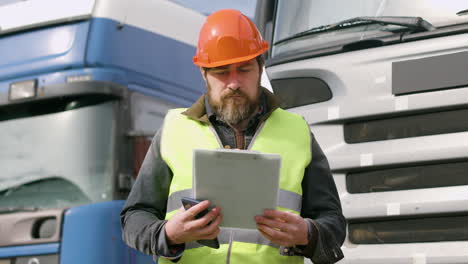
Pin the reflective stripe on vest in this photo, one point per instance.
(283, 133)
(286, 199)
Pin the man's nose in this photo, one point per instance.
(233, 80)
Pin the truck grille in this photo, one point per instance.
(428, 229)
(407, 178)
(407, 126)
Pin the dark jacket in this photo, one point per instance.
(142, 217)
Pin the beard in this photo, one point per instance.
(233, 110)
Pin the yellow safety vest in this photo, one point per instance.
(283, 133)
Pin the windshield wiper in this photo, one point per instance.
(462, 12)
(7, 210)
(417, 23)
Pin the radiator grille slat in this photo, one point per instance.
(429, 229)
(415, 177)
(406, 127)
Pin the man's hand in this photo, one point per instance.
(183, 227)
(283, 228)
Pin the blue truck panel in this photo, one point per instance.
(91, 234)
(153, 64)
(152, 61)
(43, 50)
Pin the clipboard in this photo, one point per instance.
(242, 182)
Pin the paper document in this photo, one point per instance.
(243, 183)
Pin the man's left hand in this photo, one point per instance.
(283, 228)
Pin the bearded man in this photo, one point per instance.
(236, 112)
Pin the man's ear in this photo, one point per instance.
(203, 73)
(260, 67)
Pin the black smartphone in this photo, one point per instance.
(187, 203)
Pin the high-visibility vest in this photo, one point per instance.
(283, 133)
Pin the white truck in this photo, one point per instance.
(384, 87)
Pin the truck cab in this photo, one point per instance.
(383, 86)
(84, 86)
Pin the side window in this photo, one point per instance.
(147, 114)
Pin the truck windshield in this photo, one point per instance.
(294, 17)
(58, 159)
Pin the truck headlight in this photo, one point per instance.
(23, 90)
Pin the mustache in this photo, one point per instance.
(233, 93)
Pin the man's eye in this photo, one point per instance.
(220, 73)
(245, 69)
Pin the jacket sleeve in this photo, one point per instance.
(142, 217)
(321, 208)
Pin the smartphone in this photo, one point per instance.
(187, 203)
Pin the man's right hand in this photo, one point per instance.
(183, 227)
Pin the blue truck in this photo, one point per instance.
(84, 85)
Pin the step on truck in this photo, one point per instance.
(384, 87)
(84, 85)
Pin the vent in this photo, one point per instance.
(428, 229)
(294, 92)
(406, 127)
(430, 73)
(416, 177)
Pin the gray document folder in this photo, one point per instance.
(243, 183)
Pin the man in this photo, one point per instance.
(238, 113)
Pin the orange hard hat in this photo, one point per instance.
(228, 37)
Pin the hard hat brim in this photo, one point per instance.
(231, 61)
